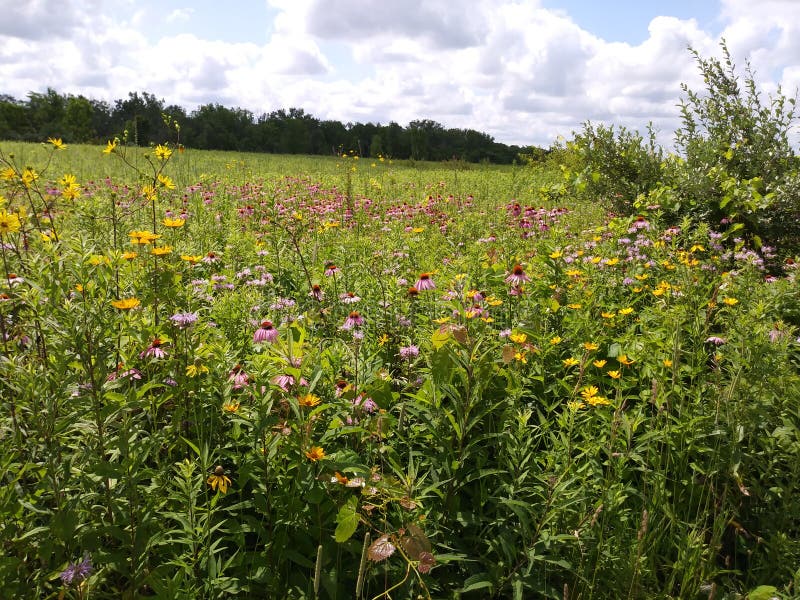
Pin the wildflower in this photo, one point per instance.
(667, 363)
(195, 370)
(166, 182)
(556, 254)
(589, 391)
(218, 479)
(125, 303)
(342, 387)
(599, 363)
(625, 311)
(518, 338)
(315, 453)
(570, 362)
(624, 360)
(555, 340)
(161, 251)
(184, 319)
(607, 315)
(77, 572)
(238, 377)
(425, 282)
(316, 292)
(231, 407)
(29, 175)
(210, 258)
(522, 357)
(716, 340)
(730, 301)
(173, 222)
(265, 333)
(162, 152)
(331, 269)
(598, 401)
(412, 292)
(349, 298)
(309, 400)
(153, 350)
(409, 352)
(9, 222)
(57, 143)
(517, 276)
(111, 147)
(354, 319)
(589, 346)
(364, 403)
(129, 255)
(191, 259)
(148, 192)
(614, 374)
(574, 306)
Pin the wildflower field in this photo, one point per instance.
(250, 376)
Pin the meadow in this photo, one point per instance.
(254, 376)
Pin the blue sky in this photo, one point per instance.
(524, 71)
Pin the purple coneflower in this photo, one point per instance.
(316, 292)
(265, 333)
(425, 282)
(349, 298)
(238, 377)
(331, 269)
(154, 350)
(354, 319)
(517, 276)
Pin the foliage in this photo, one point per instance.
(230, 375)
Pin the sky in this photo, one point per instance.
(524, 71)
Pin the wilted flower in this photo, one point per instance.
(218, 479)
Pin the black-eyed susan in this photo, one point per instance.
(218, 480)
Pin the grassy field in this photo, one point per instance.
(237, 375)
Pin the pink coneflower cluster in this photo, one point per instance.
(265, 333)
(424, 283)
(354, 319)
(154, 350)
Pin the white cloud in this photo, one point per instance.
(522, 73)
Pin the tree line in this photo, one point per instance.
(78, 119)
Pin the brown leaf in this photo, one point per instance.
(415, 543)
(380, 549)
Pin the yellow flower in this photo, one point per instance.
(574, 306)
(598, 401)
(521, 357)
(575, 405)
(231, 407)
(162, 152)
(555, 340)
(614, 374)
(143, 237)
(161, 251)
(556, 254)
(589, 392)
(166, 182)
(607, 315)
(28, 176)
(149, 192)
(570, 362)
(625, 311)
(667, 363)
(111, 147)
(383, 339)
(125, 303)
(8, 173)
(9, 222)
(218, 479)
(612, 261)
(599, 363)
(574, 273)
(590, 346)
(129, 255)
(309, 400)
(623, 359)
(518, 338)
(492, 301)
(195, 370)
(730, 301)
(658, 292)
(57, 143)
(315, 453)
(191, 259)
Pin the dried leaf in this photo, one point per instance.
(380, 549)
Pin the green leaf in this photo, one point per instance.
(763, 592)
(347, 520)
(440, 337)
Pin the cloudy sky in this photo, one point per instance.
(524, 71)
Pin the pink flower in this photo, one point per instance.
(316, 292)
(265, 333)
(331, 269)
(354, 319)
(238, 377)
(409, 352)
(154, 350)
(517, 276)
(425, 282)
